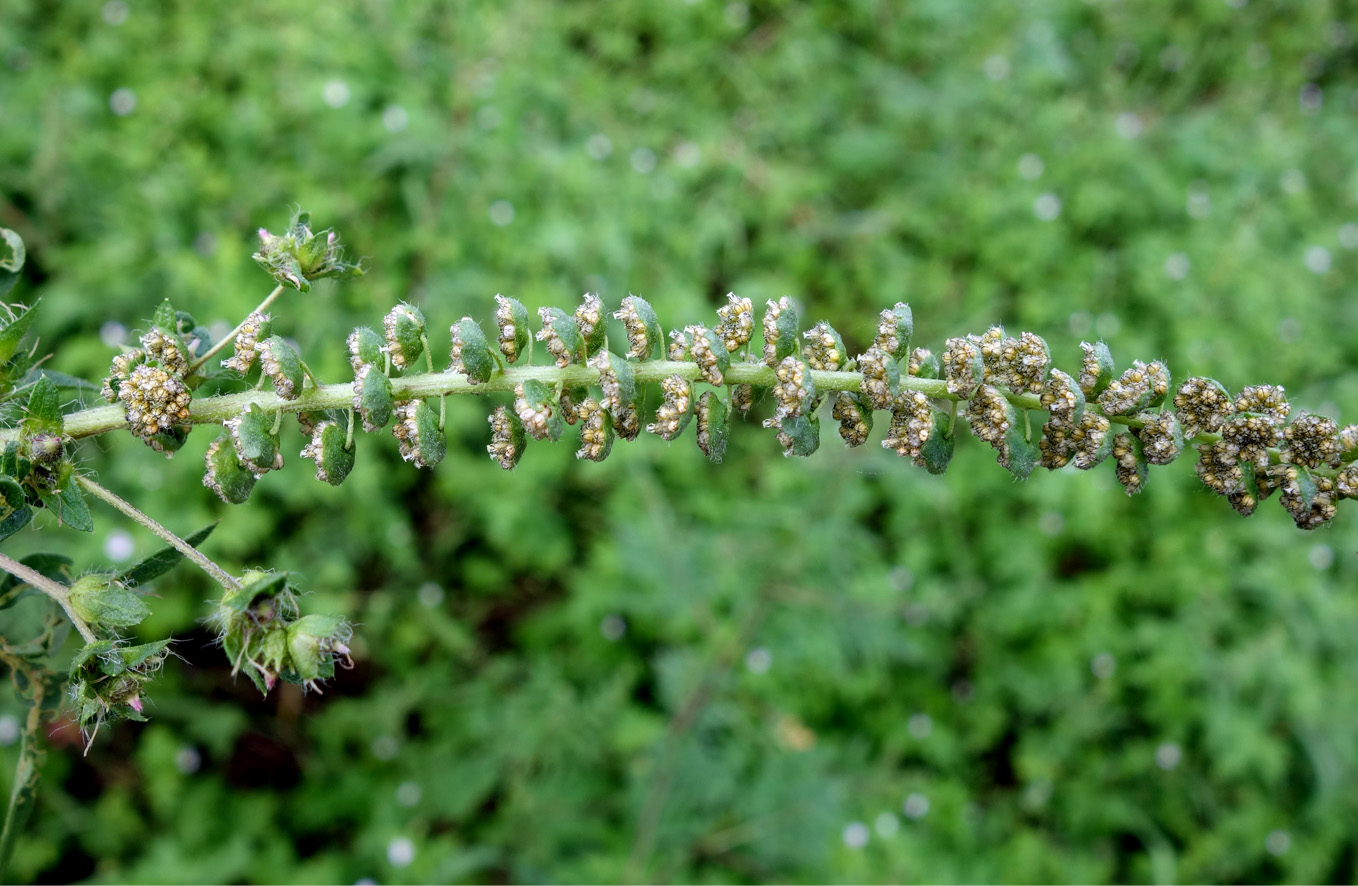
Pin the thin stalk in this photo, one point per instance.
(231, 337)
(199, 559)
(55, 590)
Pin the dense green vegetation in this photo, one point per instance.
(832, 669)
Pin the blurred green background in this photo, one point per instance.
(837, 669)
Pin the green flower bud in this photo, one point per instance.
(314, 644)
(471, 354)
(256, 442)
(373, 398)
(511, 325)
(1096, 370)
(418, 434)
(299, 256)
(506, 438)
(256, 328)
(365, 349)
(641, 325)
(327, 450)
(226, 474)
(404, 326)
(281, 364)
(103, 601)
(894, 330)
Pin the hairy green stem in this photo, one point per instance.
(199, 559)
(231, 336)
(55, 590)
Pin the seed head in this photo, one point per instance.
(1219, 469)
(256, 328)
(1088, 438)
(1309, 499)
(742, 398)
(154, 402)
(1203, 406)
(1247, 438)
(737, 322)
(1312, 441)
(959, 366)
(164, 348)
(1161, 439)
(1268, 399)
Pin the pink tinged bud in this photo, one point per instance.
(135, 703)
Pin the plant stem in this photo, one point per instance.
(26, 772)
(199, 559)
(55, 590)
(231, 337)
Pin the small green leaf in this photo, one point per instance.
(164, 316)
(60, 379)
(405, 335)
(103, 600)
(937, 451)
(44, 409)
(13, 462)
(714, 426)
(162, 561)
(285, 369)
(563, 325)
(14, 508)
(803, 432)
(433, 445)
(518, 318)
(256, 442)
(89, 653)
(627, 379)
(654, 336)
(333, 460)
(72, 510)
(1023, 456)
(12, 334)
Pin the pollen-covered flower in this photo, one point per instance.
(166, 349)
(824, 349)
(1089, 441)
(881, 378)
(365, 348)
(1096, 368)
(1248, 438)
(596, 433)
(256, 328)
(535, 410)
(780, 325)
(794, 394)
(709, 352)
(912, 424)
(642, 328)
(895, 326)
(226, 474)
(1219, 469)
(404, 326)
(373, 398)
(962, 367)
(561, 335)
(511, 327)
(1137, 388)
(855, 421)
(742, 398)
(154, 402)
(1308, 499)
(713, 426)
(1062, 399)
(1270, 400)
(281, 365)
(506, 438)
(737, 322)
(589, 321)
(256, 441)
(673, 414)
(1161, 437)
(1129, 467)
(120, 370)
(418, 436)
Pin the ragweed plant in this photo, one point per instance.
(1005, 390)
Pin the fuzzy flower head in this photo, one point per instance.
(737, 322)
(299, 256)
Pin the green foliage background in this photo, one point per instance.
(804, 644)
